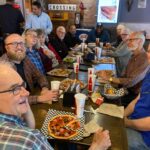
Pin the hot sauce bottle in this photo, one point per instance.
(90, 84)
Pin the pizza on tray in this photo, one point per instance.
(60, 72)
(105, 73)
(63, 126)
(106, 60)
(68, 82)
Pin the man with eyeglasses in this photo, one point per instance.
(17, 121)
(16, 54)
(136, 69)
(31, 41)
(137, 116)
(58, 42)
(121, 53)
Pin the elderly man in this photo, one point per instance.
(31, 41)
(121, 53)
(137, 117)
(39, 19)
(16, 54)
(136, 69)
(71, 39)
(17, 121)
(119, 28)
(58, 42)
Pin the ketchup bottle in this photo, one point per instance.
(77, 68)
(90, 84)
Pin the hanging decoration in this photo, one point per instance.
(129, 4)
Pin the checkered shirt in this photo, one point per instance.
(14, 135)
(35, 59)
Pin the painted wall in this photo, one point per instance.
(135, 15)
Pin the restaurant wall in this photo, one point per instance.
(136, 18)
(135, 15)
(89, 13)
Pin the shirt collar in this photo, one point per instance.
(11, 118)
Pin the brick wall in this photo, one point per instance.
(89, 16)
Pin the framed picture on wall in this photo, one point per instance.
(107, 11)
(77, 19)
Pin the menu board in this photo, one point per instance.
(107, 11)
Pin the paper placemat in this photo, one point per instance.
(111, 109)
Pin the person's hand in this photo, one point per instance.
(48, 96)
(101, 140)
(44, 90)
(28, 117)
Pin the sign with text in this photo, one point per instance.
(64, 7)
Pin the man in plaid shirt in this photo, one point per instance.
(16, 54)
(31, 52)
(16, 118)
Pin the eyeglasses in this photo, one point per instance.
(16, 90)
(62, 32)
(32, 35)
(124, 34)
(132, 40)
(15, 44)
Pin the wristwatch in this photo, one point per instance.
(110, 79)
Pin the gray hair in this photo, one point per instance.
(60, 27)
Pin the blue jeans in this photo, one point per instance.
(135, 140)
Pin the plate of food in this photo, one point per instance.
(60, 72)
(68, 82)
(105, 60)
(105, 73)
(91, 45)
(113, 93)
(69, 59)
(63, 125)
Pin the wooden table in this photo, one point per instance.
(114, 125)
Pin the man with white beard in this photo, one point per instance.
(136, 69)
(58, 42)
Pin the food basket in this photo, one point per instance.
(112, 93)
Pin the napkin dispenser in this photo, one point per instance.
(68, 99)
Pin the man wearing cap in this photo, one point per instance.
(100, 33)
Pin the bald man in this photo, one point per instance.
(58, 42)
(16, 54)
(17, 121)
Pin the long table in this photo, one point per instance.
(114, 125)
